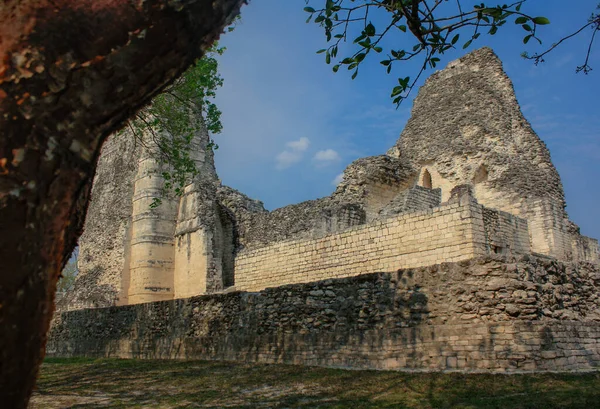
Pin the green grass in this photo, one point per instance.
(115, 383)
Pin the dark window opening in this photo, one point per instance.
(427, 179)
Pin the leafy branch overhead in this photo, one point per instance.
(593, 23)
(435, 26)
(166, 128)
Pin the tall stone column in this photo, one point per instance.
(152, 236)
(195, 244)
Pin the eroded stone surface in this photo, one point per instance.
(104, 243)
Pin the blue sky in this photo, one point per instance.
(291, 125)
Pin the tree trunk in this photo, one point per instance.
(71, 72)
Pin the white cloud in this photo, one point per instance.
(286, 159)
(327, 156)
(299, 145)
(292, 155)
(338, 179)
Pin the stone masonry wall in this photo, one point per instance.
(408, 240)
(452, 232)
(504, 233)
(486, 314)
(413, 200)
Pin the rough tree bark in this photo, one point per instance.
(71, 72)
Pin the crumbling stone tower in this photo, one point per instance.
(466, 127)
(132, 253)
(184, 246)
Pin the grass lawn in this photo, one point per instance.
(116, 383)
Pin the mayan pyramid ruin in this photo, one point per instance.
(466, 131)
(463, 220)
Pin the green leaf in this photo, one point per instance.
(403, 81)
(527, 27)
(468, 43)
(493, 30)
(327, 58)
(370, 30)
(359, 38)
(397, 90)
(527, 38)
(355, 74)
(521, 20)
(541, 20)
(455, 39)
(402, 28)
(377, 49)
(309, 9)
(336, 68)
(322, 50)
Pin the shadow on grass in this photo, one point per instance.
(178, 384)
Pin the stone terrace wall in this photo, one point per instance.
(453, 232)
(483, 314)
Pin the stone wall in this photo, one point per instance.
(493, 314)
(455, 231)
(504, 233)
(413, 200)
(310, 219)
(583, 248)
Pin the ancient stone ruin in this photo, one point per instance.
(451, 251)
